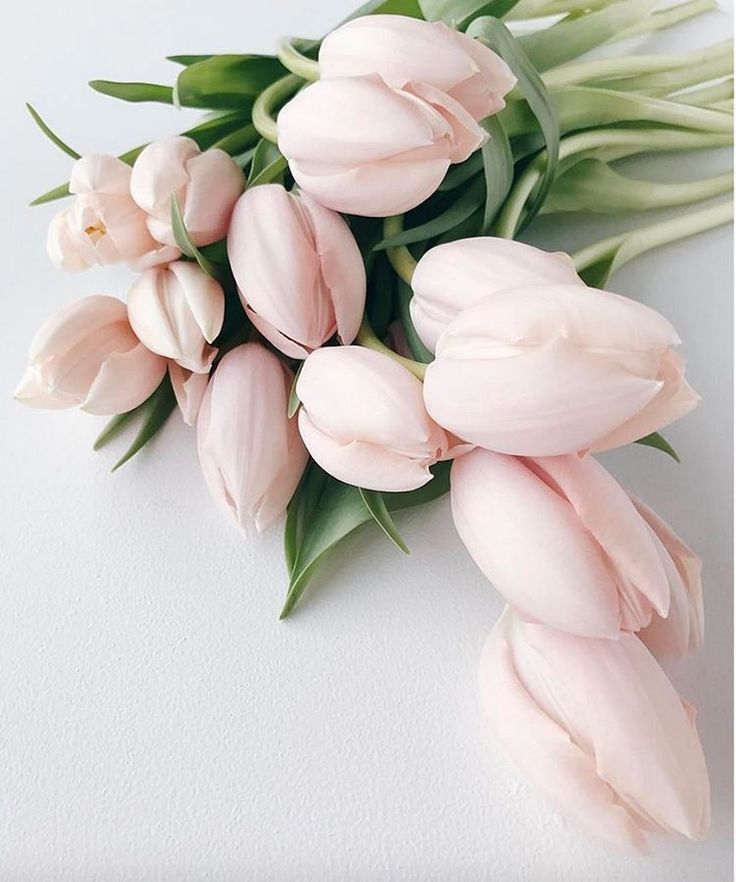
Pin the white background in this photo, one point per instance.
(158, 722)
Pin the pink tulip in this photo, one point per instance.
(87, 356)
(542, 370)
(206, 185)
(404, 50)
(485, 265)
(682, 630)
(298, 268)
(359, 146)
(189, 389)
(598, 728)
(103, 225)
(176, 311)
(251, 454)
(363, 420)
(565, 545)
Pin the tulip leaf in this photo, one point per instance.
(205, 134)
(376, 505)
(464, 171)
(418, 349)
(157, 409)
(294, 402)
(498, 168)
(54, 138)
(659, 442)
(267, 164)
(300, 510)
(117, 424)
(497, 36)
(135, 92)
(459, 13)
(411, 8)
(187, 247)
(187, 60)
(335, 513)
(229, 82)
(460, 210)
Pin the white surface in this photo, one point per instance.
(157, 721)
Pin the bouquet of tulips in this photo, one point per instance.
(331, 289)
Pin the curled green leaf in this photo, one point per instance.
(52, 136)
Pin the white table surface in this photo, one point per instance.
(158, 722)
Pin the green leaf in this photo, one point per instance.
(418, 349)
(337, 512)
(117, 424)
(52, 195)
(459, 13)
(268, 163)
(576, 35)
(659, 442)
(238, 142)
(387, 7)
(498, 168)
(187, 247)
(187, 60)
(464, 171)
(55, 139)
(497, 36)
(294, 402)
(157, 409)
(376, 505)
(226, 81)
(460, 210)
(135, 92)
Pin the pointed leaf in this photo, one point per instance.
(226, 81)
(498, 168)
(159, 408)
(187, 60)
(117, 424)
(268, 163)
(376, 505)
(134, 92)
(54, 138)
(659, 442)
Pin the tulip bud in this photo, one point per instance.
(299, 270)
(549, 369)
(251, 454)
(405, 50)
(206, 184)
(485, 265)
(87, 356)
(597, 726)
(189, 389)
(176, 310)
(682, 629)
(363, 420)
(563, 543)
(359, 146)
(103, 225)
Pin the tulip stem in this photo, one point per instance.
(626, 246)
(399, 257)
(294, 61)
(268, 102)
(367, 337)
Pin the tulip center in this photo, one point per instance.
(95, 232)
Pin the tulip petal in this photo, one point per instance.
(189, 389)
(125, 380)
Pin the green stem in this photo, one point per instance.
(703, 67)
(268, 102)
(705, 96)
(366, 337)
(400, 257)
(647, 238)
(667, 18)
(541, 8)
(294, 61)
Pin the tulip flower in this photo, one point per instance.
(359, 146)
(542, 370)
(485, 265)
(597, 726)
(206, 184)
(682, 629)
(363, 420)
(104, 225)
(87, 356)
(250, 451)
(189, 389)
(299, 270)
(562, 541)
(176, 311)
(404, 50)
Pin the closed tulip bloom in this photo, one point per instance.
(542, 370)
(681, 631)
(403, 50)
(363, 420)
(359, 146)
(562, 541)
(206, 185)
(598, 728)
(189, 389)
(87, 356)
(299, 270)
(485, 265)
(177, 311)
(103, 225)
(250, 451)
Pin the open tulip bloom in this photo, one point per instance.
(332, 290)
